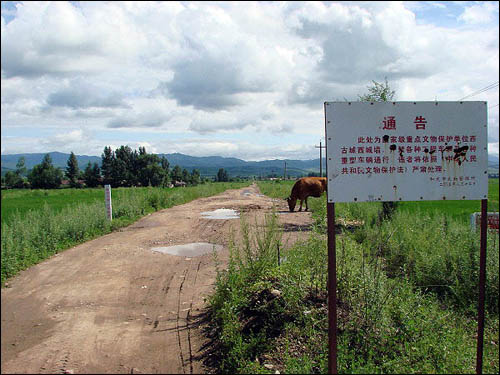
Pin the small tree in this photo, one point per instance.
(20, 167)
(45, 175)
(195, 177)
(222, 175)
(92, 175)
(165, 165)
(123, 173)
(177, 173)
(15, 179)
(108, 157)
(185, 176)
(12, 180)
(381, 92)
(72, 170)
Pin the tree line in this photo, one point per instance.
(122, 167)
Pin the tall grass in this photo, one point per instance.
(276, 188)
(243, 307)
(407, 298)
(34, 235)
(24, 200)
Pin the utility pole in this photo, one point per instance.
(320, 159)
(284, 174)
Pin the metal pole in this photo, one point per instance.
(482, 280)
(332, 290)
(320, 158)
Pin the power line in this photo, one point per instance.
(489, 87)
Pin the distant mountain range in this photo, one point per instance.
(207, 165)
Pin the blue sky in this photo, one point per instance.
(236, 79)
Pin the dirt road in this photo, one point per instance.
(112, 305)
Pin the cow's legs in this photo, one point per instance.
(307, 207)
(300, 209)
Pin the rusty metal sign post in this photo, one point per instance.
(404, 151)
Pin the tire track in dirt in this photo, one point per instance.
(112, 305)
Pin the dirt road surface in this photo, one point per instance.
(112, 305)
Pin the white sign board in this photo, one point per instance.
(406, 151)
(107, 199)
(492, 222)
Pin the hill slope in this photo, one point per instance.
(208, 165)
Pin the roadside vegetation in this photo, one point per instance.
(51, 221)
(407, 293)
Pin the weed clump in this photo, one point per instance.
(407, 298)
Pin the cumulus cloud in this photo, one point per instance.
(147, 113)
(244, 150)
(213, 68)
(62, 140)
(58, 38)
(228, 71)
(80, 94)
(480, 13)
(493, 148)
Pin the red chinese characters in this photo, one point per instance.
(389, 123)
(423, 154)
(420, 122)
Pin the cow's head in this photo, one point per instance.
(291, 203)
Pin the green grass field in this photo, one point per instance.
(23, 200)
(455, 209)
(406, 288)
(38, 224)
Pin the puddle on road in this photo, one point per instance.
(221, 214)
(189, 250)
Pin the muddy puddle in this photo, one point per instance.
(221, 214)
(189, 249)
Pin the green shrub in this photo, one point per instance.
(407, 297)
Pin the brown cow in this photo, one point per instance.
(305, 187)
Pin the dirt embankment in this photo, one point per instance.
(112, 305)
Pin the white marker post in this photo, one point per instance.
(107, 199)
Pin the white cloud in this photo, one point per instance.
(80, 94)
(57, 38)
(493, 148)
(225, 72)
(245, 150)
(480, 13)
(148, 113)
(66, 139)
